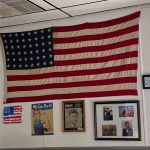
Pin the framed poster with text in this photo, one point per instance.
(42, 119)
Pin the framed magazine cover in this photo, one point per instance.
(117, 120)
(42, 119)
(73, 116)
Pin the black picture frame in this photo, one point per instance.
(117, 125)
(146, 81)
(75, 110)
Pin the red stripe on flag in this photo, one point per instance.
(73, 84)
(74, 95)
(96, 36)
(72, 73)
(97, 24)
(96, 59)
(96, 48)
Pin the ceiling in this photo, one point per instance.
(40, 10)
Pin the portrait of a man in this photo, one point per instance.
(127, 129)
(73, 116)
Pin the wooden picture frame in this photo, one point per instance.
(73, 116)
(146, 81)
(117, 120)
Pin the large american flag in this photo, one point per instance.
(12, 114)
(80, 61)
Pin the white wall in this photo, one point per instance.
(15, 136)
(145, 65)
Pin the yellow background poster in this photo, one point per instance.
(42, 119)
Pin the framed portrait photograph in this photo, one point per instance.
(117, 120)
(146, 81)
(73, 114)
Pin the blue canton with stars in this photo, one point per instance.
(28, 50)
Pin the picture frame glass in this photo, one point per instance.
(146, 81)
(117, 120)
(73, 116)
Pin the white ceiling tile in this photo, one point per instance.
(3, 6)
(65, 3)
(16, 2)
(9, 12)
(84, 8)
(99, 6)
(42, 4)
(36, 17)
(22, 9)
(33, 7)
(5, 1)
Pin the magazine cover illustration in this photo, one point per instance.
(42, 119)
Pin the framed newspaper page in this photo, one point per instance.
(73, 114)
(117, 120)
